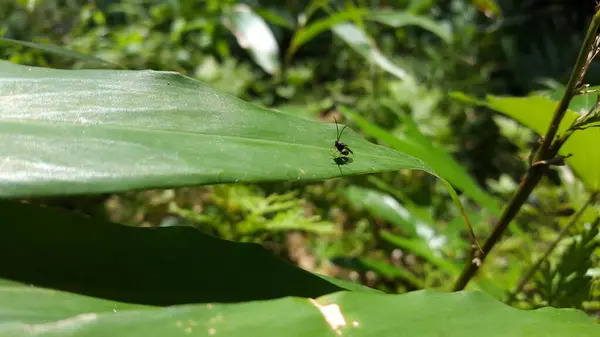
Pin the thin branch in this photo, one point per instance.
(586, 127)
(545, 152)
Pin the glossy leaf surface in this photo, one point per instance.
(38, 312)
(95, 131)
(536, 113)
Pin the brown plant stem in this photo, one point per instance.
(545, 152)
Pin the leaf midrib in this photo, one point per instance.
(176, 132)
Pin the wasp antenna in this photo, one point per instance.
(337, 129)
(342, 131)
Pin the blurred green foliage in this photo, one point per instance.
(565, 283)
(395, 231)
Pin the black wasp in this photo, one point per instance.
(340, 146)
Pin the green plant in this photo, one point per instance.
(125, 145)
(125, 131)
(566, 283)
(546, 153)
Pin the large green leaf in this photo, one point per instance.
(253, 34)
(161, 266)
(361, 43)
(38, 312)
(536, 112)
(93, 131)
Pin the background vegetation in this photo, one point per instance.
(398, 72)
